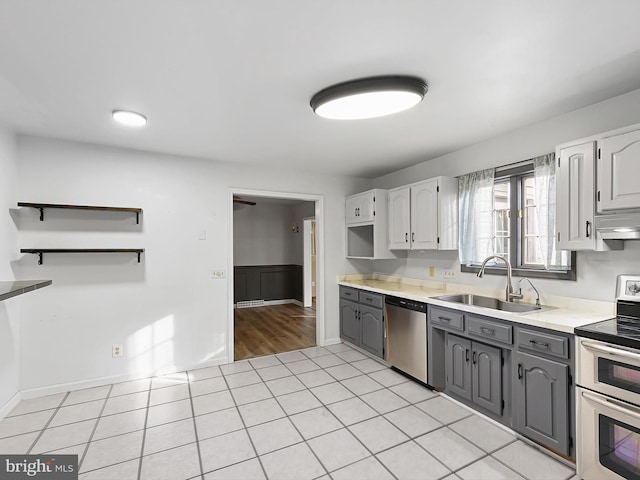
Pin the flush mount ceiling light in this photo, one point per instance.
(369, 97)
(130, 119)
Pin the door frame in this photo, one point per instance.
(307, 264)
(319, 219)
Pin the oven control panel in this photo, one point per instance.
(628, 287)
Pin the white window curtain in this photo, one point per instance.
(475, 200)
(544, 172)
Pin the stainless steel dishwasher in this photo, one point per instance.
(407, 336)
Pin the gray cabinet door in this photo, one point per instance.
(486, 378)
(542, 407)
(372, 330)
(458, 366)
(349, 325)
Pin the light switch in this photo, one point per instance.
(202, 235)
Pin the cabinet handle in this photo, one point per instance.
(413, 236)
(466, 355)
(588, 232)
(475, 357)
(519, 371)
(488, 331)
(444, 319)
(540, 344)
(406, 237)
(368, 299)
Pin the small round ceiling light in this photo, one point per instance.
(128, 118)
(369, 97)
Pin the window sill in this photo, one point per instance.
(526, 272)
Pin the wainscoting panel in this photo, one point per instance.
(267, 282)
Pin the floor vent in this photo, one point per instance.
(250, 303)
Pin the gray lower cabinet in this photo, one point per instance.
(474, 371)
(349, 325)
(542, 408)
(486, 380)
(362, 319)
(457, 366)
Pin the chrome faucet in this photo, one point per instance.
(509, 295)
(532, 286)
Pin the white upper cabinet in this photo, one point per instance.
(399, 219)
(361, 208)
(619, 170)
(575, 196)
(424, 215)
(366, 225)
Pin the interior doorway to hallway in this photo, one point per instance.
(276, 251)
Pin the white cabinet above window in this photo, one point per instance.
(424, 215)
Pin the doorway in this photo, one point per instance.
(272, 237)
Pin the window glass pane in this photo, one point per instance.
(501, 224)
(531, 251)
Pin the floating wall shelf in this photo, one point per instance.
(41, 251)
(13, 289)
(42, 206)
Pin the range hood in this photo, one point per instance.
(619, 226)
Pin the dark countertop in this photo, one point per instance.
(13, 289)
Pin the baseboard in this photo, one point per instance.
(267, 303)
(100, 381)
(331, 341)
(10, 405)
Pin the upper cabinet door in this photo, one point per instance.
(575, 197)
(367, 208)
(618, 172)
(351, 209)
(424, 215)
(399, 219)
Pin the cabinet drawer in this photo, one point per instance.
(372, 299)
(349, 293)
(492, 330)
(447, 318)
(543, 342)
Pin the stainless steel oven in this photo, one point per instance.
(608, 391)
(608, 426)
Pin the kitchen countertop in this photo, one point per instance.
(13, 289)
(566, 314)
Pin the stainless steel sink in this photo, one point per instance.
(490, 302)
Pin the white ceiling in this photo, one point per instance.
(231, 80)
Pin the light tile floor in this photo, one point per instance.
(325, 413)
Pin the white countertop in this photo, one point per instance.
(567, 313)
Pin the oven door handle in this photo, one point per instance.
(620, 352)
(613, 404)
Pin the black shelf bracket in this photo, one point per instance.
(41, 214)
(39, 258)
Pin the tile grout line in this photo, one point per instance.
(95, 427)
(48, 423)
(195, 427)
(144, 430)
(246, 430)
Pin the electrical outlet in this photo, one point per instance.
(116, 350)
(449, 274)
(220, 273)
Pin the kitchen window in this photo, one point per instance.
(511, 212)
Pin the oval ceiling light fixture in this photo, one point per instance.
(128, 118)
(369, 97)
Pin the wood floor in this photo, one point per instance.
(273, 329)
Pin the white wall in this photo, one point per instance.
(596, 271)
(262, 234)
(9, 309)
(166, 311)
